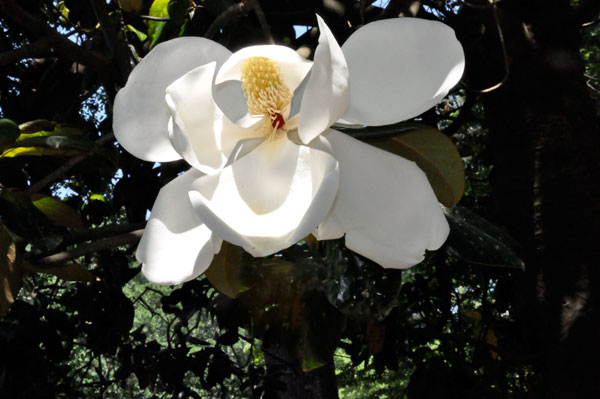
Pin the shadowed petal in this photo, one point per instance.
(200, 132)
(176, 245)
(399, 68)
(385, 204)
(141, 116)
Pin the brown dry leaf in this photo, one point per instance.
(11, 276)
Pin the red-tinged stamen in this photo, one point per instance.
(278, 122)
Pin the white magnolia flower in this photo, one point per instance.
(267, 170)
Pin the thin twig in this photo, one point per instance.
(107, 243)
(58, 173)
(117, 50)
(42, 46)
(100, 232)
(504, 53)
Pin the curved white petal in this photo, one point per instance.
(269, 199)
(292, 66)
(400, 68)
(176, 245)
(385, 205)
(140, 114)
(200, 131)
(327, 93)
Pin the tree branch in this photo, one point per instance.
(58, 173)
(99, 233)
(117, 50)
(107, 243)
(40, 47)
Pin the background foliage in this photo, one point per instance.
(79, 320)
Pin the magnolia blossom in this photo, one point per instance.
(266, 168)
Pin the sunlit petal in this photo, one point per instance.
(400, 68)
(269, 199)
(140, 115)
(293, 66)
(327, 93)
(176, 245)
(385, 204)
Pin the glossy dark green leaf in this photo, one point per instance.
(37, 125)
(316, 330)
(9, 131)
(24, 219)
(436, 155)
(159, 8)
(57, 145)
(130, 5)
(56, 210)
(141, 35)
(226, 272)
(476, 240)
(70, 272)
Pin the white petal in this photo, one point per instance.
(327, 93)
(176, 245)
(201, 133)
(140, 114)
(269, 199)
(385, 205)
(399, 68)
(292, 66)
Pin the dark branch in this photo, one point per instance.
(118, 51)
(58, 173)
(99, 233)
(40, 47)
(107, 243)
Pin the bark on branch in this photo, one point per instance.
(107, 243)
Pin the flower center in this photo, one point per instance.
(268, 96)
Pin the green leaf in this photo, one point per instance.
(97, 197)
(316, 330)
(159, 8)
(44, 128)
(70, 272)
(11, 277)
(9, 131)
(475, 240)
(37, 151)
(226, 272)
(37, 125)
(57, 211)
(436, 155)
(177, 10)
(56, 145)
(141, 35)
(130, 5)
